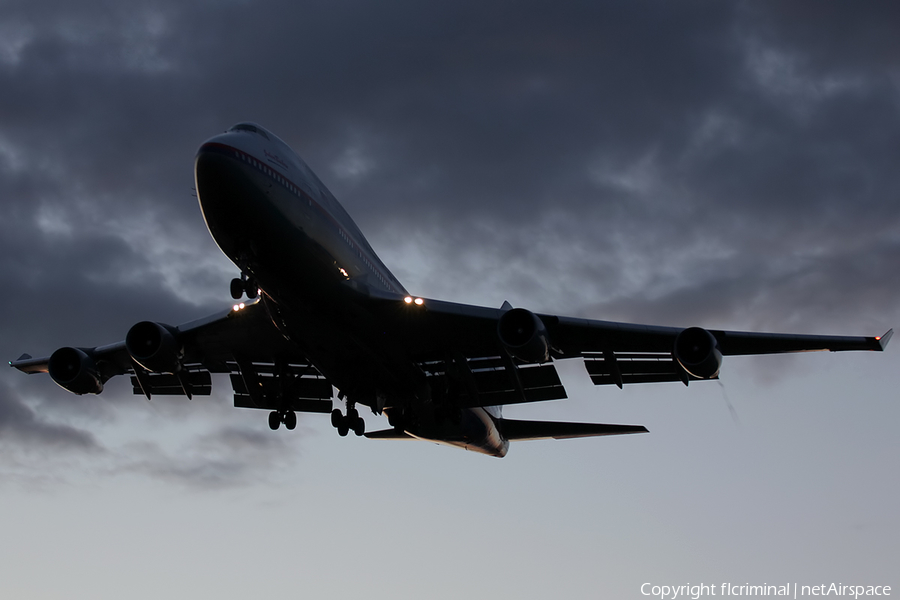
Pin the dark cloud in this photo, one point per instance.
(38, 447)
(23, 428)
(683, 163)
(227, 457)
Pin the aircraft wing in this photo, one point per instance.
(474, 328)
(463, 340)
(266, 370)
(457, 342)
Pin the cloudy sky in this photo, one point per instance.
(720, 164)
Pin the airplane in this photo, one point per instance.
(323, 313)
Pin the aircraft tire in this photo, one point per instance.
(336, 418)
(274, 420)
(360, 428)
(394, 419)
(251, 288)
(343, 430)
(237, 288)
(290, 419)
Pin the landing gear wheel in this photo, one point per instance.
(244, 285)
(345, 424)
(394, 418)
(290, 419)
(275, 420)
(237, 288)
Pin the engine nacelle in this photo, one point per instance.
(697, 351)
(524, 335)
(73, 370)
(155, 347)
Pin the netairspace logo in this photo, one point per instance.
(789, 590)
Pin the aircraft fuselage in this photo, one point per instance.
(280, 225)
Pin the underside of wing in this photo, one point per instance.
(491, 381)
(266, 371)
(465, 345)
(622, 368)
(743, 343)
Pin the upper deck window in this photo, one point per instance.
(249, 127)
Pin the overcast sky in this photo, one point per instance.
(722, 164)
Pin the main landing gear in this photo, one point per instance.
(244, 285)
(349, 422)
(277, 417)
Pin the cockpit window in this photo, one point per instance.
(249, 127)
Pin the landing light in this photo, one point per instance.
(419, 302)
(238, 307)
(408, 299)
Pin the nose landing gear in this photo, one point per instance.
(244, 285)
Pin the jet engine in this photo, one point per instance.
(524, 335)
(155, 347)
(73, 370)
(697, 351)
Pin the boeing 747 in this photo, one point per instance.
(323, 313)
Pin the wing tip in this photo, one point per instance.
(28, 364)
(884, 339)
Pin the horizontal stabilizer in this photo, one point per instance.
(389, 434)
(544, 430)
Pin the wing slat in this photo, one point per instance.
(166, 384)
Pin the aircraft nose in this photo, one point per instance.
(216, 175)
